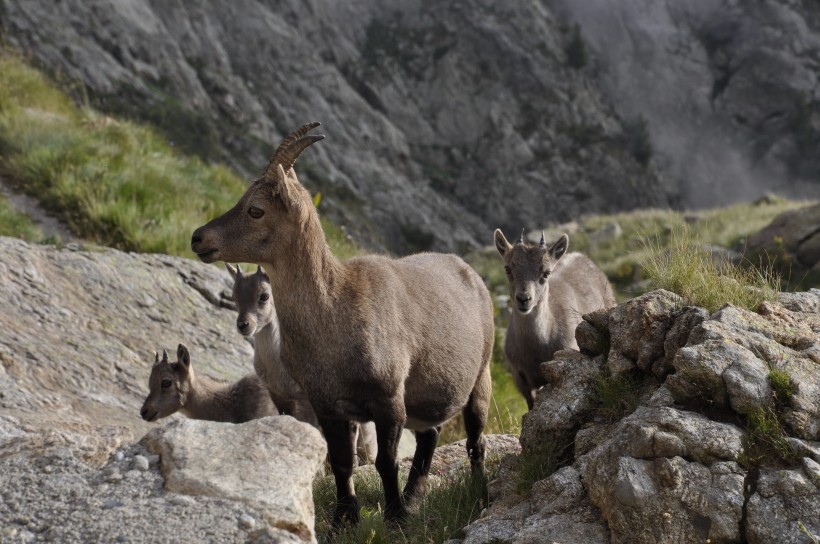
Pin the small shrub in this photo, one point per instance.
(616, 396)
(684, 266)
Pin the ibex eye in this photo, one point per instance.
(508, 270)
(166, 384)
(264, 297)
(255, 212)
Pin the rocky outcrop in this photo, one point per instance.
(722, 447)
(793, 237)
(442, 119)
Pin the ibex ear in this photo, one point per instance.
(183, 356)
(281, 186)
(156, 358)
(558, 249)
(501, 243)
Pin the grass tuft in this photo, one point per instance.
(535, 464)
(684, 266)
(616, 396)
(764, 442)
(782, 385)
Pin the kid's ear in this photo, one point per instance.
(235, 271)
(183, 356)
(501, 243)
(558, 249)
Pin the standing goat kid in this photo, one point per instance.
(549, 292)
(174, 387)
(394, 341)
(257, 320)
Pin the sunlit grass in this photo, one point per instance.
(684, 266)
(113, 182)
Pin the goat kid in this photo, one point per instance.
(549, 292)
(257, 319)
(174, 387)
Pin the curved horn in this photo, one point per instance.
(156, 357)
(164, 356)
(287, 142)
(521, 238)
(289, 155)
(543, 242)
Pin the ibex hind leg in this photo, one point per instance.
(416, 486)
(475, 418)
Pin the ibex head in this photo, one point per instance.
(169, 385)
(267, 218)
(528, 267)
(253, 298)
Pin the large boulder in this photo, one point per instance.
(793, 235)
(87, 484)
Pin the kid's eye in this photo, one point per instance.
(264, 297)
(508, 270)
(255, 212)
(166, 384)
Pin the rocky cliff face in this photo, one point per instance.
(729, 89)
(444, 121)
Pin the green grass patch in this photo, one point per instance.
(764, 442)
(17, 225)
(536, 464)
(616, 396)
(684, 266)
(444, 512)
(113, 182)
(782, 385)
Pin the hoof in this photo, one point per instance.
(396, 513)
(347, 512)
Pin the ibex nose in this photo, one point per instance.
(196, 238)
(243, 326)
(144, 413)
(523, 299)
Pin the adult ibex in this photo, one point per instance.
(549, 292)
(395, 341)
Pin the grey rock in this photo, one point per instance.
(638, 328)
(792, 235)
(782, 499)
(565, 402)
(267, 464)
(141, 462)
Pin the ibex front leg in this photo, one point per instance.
(389, 424)
(341, 448)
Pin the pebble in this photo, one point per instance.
(247, 522)
(141, 462)
(119, 456)
(182, 500)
